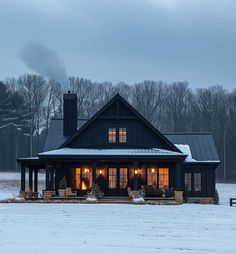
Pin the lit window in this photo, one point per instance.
(122, 135)
(197, 182)
(112, 135)
(152, 177)
(112, 178)
(188, 181)
(87, 178)
(163, 178)
(123, 178)
(77, 178)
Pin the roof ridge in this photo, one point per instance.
(61, 118)
(186, 133)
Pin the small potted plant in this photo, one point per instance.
(62, 187)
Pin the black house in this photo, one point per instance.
(119, 148)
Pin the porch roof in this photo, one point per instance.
(31, 161)
(125, 153)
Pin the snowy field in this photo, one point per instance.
(74, 228)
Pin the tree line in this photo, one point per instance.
(31, 100)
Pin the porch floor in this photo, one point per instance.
(104, 200)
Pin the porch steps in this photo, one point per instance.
(114, 200)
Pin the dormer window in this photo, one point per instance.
(112, 135)
(122, 135)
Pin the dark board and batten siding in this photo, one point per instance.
(207, 178)
(138, 135)
(118, 115)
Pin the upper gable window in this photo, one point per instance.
(112, 135)
(122, 135)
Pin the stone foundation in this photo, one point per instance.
(179, 197)
(201, 200)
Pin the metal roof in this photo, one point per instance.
(202, 145)
(55, 135)
(134, 152)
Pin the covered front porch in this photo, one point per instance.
(154, 171)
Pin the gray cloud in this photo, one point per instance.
(44, 61)
(125, 40)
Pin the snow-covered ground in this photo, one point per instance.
(10, 184)
(81, 228)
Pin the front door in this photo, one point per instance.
(117, 181)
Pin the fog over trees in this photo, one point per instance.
(31, 100)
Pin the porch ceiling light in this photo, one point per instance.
(153, 170)
(100, 172)
(135, 171)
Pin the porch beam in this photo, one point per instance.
(47, 168)
(52, 180)
(135, 176)
(30, 179)
(36, 180)
(94, 167)
(178, 176)
(22, 189)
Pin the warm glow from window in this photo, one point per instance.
(112, 178)
(152, 177)
(112, 135)
(122, 135)
(123, 178)
(87, 178)
(84, 187)
(77, 178)
(163, 177)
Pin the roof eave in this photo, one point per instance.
(128, 156)
(216, 163)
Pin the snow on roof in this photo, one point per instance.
(185, 149)
(110, 152)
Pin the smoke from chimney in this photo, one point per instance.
(44, 61)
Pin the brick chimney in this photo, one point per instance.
(70, 114)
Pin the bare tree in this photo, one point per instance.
(34, 90)
(53, 103)
(148, 98)
(82, 87)
(178, 107)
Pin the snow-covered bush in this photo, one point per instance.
(138, 200)
(96, 191)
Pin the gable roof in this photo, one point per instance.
(119, 98)
(202, 145)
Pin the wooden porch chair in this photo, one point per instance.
(129, 191)
(133, 194)
(70, 193)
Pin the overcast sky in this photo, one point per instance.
(125, 40)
